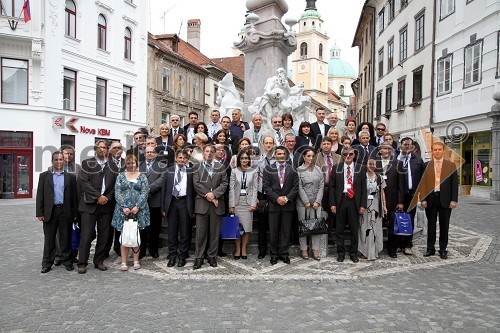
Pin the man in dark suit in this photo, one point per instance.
(392, 172)
(443, 178)
(175, 126)
(319, 127)
(178, 207)
(139, 145)
(413, 170)
(364, 150)
(154, 170)
(56, 207)
(348, 200)
(281, 185)
(117, 165)
(232, 139)
(96, 206)
(210, 182)
(223, 156)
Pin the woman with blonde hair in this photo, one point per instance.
(199, 140)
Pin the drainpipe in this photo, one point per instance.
(372, 71)
(431, 113)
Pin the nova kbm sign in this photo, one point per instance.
(58, 123)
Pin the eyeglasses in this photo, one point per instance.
(347, 154)
(174, 120)
(380, 129)
(277, 122)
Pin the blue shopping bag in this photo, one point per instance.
(402, 224)
(230, 227)
(75, 236)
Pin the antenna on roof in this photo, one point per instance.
(180, 29)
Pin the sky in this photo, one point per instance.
(222, 20)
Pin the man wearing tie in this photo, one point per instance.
(281, 185)
(319, 127)
(210, 183)
(56, 207)
(364, 150)
(348, 200)
(175, 126)
(214, 125)
(379, 134)
(178, 207)
(443, 175)
(117, 165)
(154, 170)
(255, 133)
(96, 206)
(413, 170)
(277, 131)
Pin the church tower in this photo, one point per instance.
(310, 63)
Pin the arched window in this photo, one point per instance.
(70, 19)
(101, 32)
(320, 50)
(128, 44)
(341, 90)
(303, 50)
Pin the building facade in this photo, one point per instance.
(467, 75)
(70, 75)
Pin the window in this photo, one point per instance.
(342, 90)
(165, 80)
(11, 7)
(447, 8)
(196, 89)
(14, 81)
(381, 63)
(419, 33)
(390, 55)
(498, 54)
(401, 93)
(472, 66)
(182, 86)
(381, 21)
(303, 50)
(444, 75)
(70, 19)
(165, 117)
(388, 99)
(365, 79)
(417, 85)
(100, 94)
(320, 51)
(127, 103)
(392, 10)
(403, 45)
(127, 44)
(67, 140)
(101, 32)
(69, 90)
(379, 104)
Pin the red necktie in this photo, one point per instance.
(350, 190)
(282, 174)
(330, 166)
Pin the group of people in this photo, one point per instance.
(194, 175)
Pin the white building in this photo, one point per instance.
(82, 62)
(467, 75)
(402, 66)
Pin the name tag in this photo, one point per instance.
(243, 191)
(164, 152)
(255, 145)
(384, 177)
(348, 186)
(370, 197)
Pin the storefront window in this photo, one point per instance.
(16, 139)
(482, 160)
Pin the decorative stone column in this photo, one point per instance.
(495, 147)
(266, 44)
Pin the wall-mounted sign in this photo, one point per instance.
(58, 122)
(478, 171)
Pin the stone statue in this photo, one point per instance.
(299, 105)
(228, 97)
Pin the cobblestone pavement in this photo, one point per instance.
(407, 294)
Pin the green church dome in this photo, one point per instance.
(338, 67)
(310, 13)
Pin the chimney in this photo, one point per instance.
(193, 32)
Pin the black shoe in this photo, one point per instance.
(237, 257)
(222, 254)
(212, 262)
(74, 255)
(198, 263)
(171, 262)
(340, 258)
(393, 255)
(274, 260)
(69, 268)
(354, 259)
(443, 254)
(154, 254)
(101, 267)
(45, 270)
(286, 260)
(57, 262)
(181, 263)
(82, 270)
(429, 253)
(261, 255)
(331, 242)
(244, 257)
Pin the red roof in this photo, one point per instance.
(235, 65)
(333, 96)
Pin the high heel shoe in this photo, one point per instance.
(237, 257)
(304, 255)
(316, 255)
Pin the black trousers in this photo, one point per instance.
(280, 226)
(178, 228)
(407, 241)
(393, 241)
(58, 223)
(444, 224)
(262, 227)
(150, 236)
(331, 217)
(89, 222)
(347, 214)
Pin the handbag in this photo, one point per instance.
(402, 224)
(230, 227)
(75, 236)
(312, 226)
(130, 236)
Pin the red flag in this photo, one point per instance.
(27, 11)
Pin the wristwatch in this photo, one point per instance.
(286, 199)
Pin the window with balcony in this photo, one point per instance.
(14, 81)
(127, 38)
(101, 32)
(69, 90)
(419, 32)
(444, 75)
(127, 103)
(100, 94)
(70, 19)
(472, 64)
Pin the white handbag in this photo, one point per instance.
(130, 236)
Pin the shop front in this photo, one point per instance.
(16, 164)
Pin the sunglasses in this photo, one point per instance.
(276, 122)
(380, 129)
(347, 154)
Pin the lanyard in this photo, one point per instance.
(244, 180)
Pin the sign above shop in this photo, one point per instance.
(58, 123)
(71, 124)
